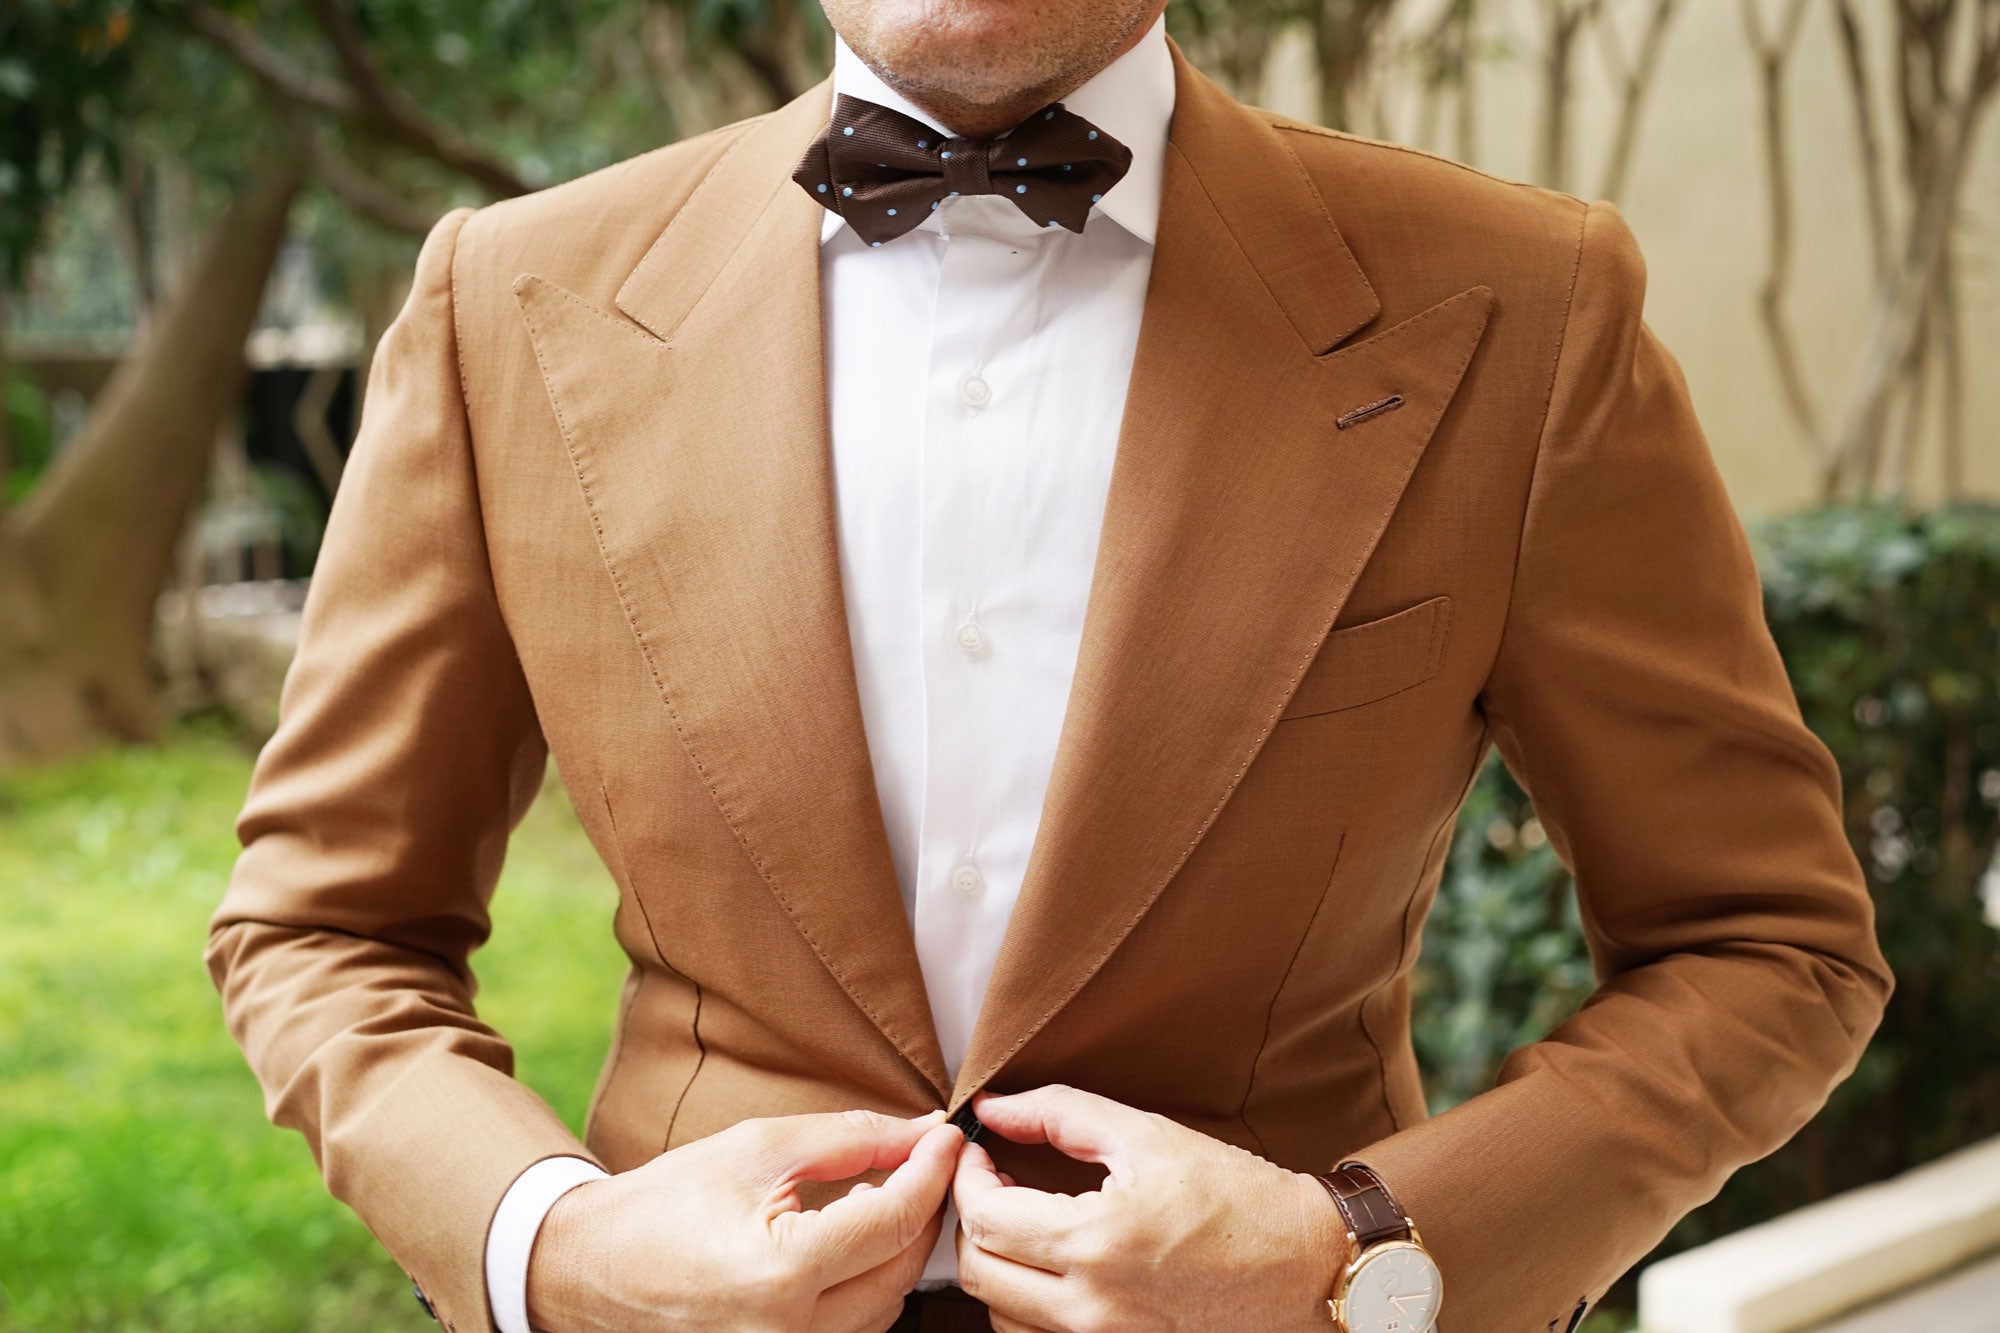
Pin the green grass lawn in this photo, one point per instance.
(140, 1185)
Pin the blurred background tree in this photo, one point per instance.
(176, 122)
(207, 120)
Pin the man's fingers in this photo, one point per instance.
(1025, 1225)
(859, 1231)
(832, 1146)
(1075, 1123)
(872, 1300)
(1002, 1324)
(1029, 1296)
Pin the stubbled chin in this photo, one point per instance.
(962, 48)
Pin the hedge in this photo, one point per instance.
(1889, 624)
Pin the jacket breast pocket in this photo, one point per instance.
(1373, 660)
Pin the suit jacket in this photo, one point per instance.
(1401, 473)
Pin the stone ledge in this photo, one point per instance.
(1831, 1258)
(1960, 1302)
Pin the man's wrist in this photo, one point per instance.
(1373, 1223)
(1329, 1248)
(547, 1295)
(515, 1236)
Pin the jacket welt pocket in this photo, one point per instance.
(1373, 660)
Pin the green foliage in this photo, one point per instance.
(30, 438)
(300, 512)
(1890, 627)
(64, 70)
(538, 84)
(1503, 958)
(125, 107)
(140, 1186)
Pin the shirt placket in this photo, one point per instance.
(975, 416)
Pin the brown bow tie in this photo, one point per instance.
(884, 171)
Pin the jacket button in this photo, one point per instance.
(968, 1124)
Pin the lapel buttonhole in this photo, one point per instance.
(1367, 410)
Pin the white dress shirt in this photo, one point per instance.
(976, 374)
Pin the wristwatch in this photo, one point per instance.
(1392, 1285)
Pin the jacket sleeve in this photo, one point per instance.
(377, 817)
(1638, 697)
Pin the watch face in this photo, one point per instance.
(1396, 1290)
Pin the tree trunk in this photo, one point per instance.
(1902, 302)
(6, 420)
(83, 561)
(1344, 41)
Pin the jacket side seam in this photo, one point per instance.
(1271, 1010)
(1439, 835)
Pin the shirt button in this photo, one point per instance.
(970, 637)
(967, 879)
(975, 392)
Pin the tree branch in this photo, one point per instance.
(1950, 339)
(1564, 20)
(352, 186)
(366, 195)
(401, 119)
(1771, 55)
(1901, 304)
(762, 47)
(1939, 129)
(363, 100)
(1867, 141)
(270, 67)
(1635, 82)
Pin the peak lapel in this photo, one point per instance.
(1238, 520)
(699, 433)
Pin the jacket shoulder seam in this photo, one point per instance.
(1281, 122)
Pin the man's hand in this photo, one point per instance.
(1186, 1233)
(711, 1235)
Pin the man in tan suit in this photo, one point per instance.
(1363, 459)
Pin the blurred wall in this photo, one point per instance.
(1696, 200)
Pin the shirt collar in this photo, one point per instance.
(1131, 99)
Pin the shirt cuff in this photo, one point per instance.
(516, 1222)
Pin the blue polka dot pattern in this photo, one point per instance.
(892, 169)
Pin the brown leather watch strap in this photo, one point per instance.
(1365, 1203)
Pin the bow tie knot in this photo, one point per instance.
(883, 171)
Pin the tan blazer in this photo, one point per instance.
(589, 510)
